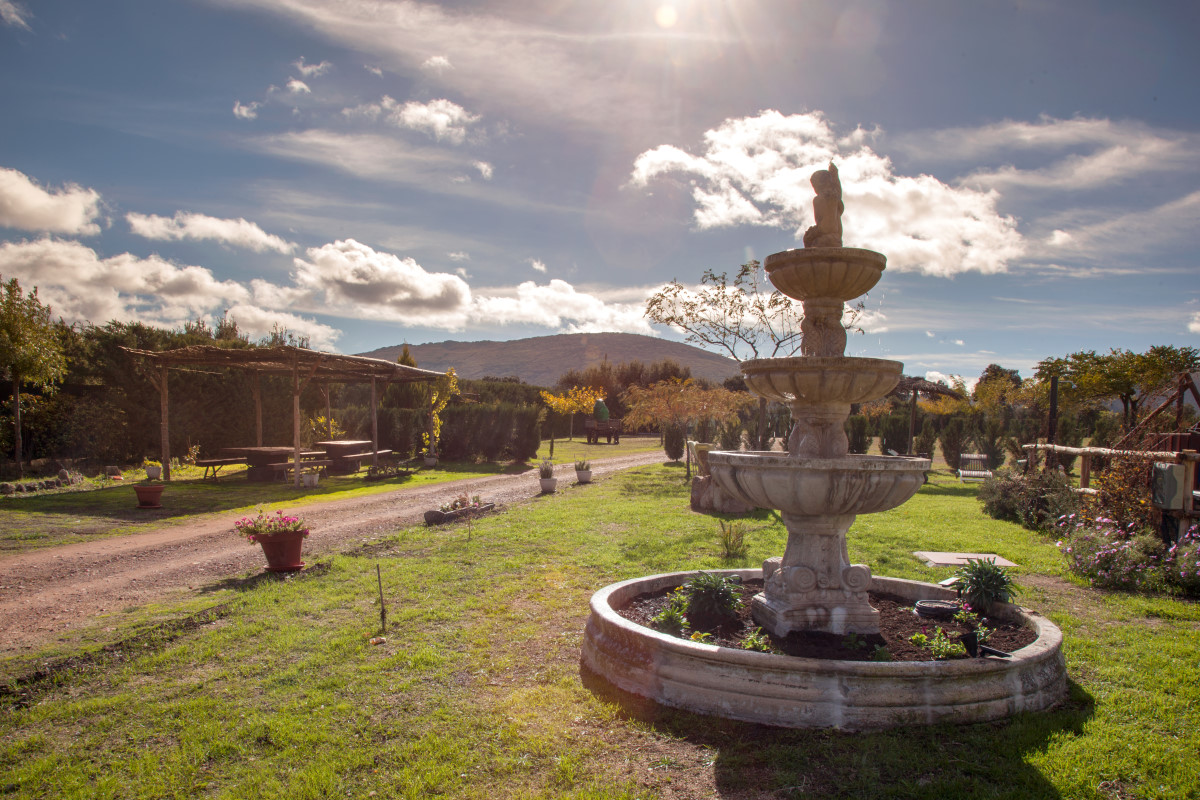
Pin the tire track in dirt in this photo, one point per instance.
(45, 593)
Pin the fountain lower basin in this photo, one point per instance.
(817, 693)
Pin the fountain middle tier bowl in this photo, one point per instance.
(814, 487)
(826, 379)
(840, 273)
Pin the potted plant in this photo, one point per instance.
(431, 457)
(309, 479)
(583, 471)
(149, 493)
(153, 470)
(281, 536)
(981, 583)
(546, 473)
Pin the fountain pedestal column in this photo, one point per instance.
(813, 586)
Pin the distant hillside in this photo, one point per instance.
(542, 359)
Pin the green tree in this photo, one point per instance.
(30, 351)
(1123, 375)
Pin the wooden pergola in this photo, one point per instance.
(301, 364)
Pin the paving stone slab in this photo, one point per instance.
(938, 559)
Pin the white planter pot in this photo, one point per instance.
(548, 485)
(431, 461)
(309, 479)
(583, 475)
(153, 473)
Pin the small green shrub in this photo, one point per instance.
(990, 440)
(1181, 565)
(733, 540)
(1034, 500)
(940, 646)
(858, 432)
(730, 436)
(1111, 556)
(546, 469)
(982, 582)
(758, 641)
(926, 440)
(712, 599)
(673, 442)
(893, 433)
(670, 621)
(953, 437)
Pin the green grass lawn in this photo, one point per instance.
(476, 693)
(102, 507)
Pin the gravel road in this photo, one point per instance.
(46, 592)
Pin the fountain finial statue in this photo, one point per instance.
(827, 208)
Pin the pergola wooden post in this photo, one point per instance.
(374, 426)
(256, 390)
(159, 382)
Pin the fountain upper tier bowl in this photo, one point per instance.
(854, 484)
(840, 273)
(821, 380)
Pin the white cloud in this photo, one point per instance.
(436, 64)
(868, 320)
(441, 119)
(931, 334)
(376, 71)
(537, 265)
(350, 279)
(935, 376)
(80, 285)
(1130, 234)
(312, 70)
(247, 111)
(297, 86)
(959, 342)
(1082, 153)
(371, 157)
(560, 306)
(459, 256)
(485, 169)
(259, 322)
(26, 206)
(1194, 325)
(12, 13)
(756, 171)
(184, 225)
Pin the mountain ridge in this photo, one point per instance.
(540, 360)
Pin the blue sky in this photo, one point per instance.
(368, 172)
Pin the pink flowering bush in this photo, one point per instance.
(1110, 556)
(265, 525)
(1181, 565)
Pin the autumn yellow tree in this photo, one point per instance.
(674, 404)
(440, 393)
(578, 399)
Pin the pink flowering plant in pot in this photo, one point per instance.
(280, 535)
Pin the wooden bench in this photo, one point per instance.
(215, 464)
(973, 467)
(349, 464)
(284, 467)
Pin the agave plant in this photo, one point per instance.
(982, 582)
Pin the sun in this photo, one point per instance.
(666, 16)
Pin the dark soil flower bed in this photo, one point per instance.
(898, 622)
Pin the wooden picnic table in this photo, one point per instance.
(259, 460)
(345, 454)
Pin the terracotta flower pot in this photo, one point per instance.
(148, 495)
(283, 550)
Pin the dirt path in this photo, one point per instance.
(46, 592)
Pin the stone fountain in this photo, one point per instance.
(819, 489)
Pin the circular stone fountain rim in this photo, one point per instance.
(1049, 636)
(851, 462)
